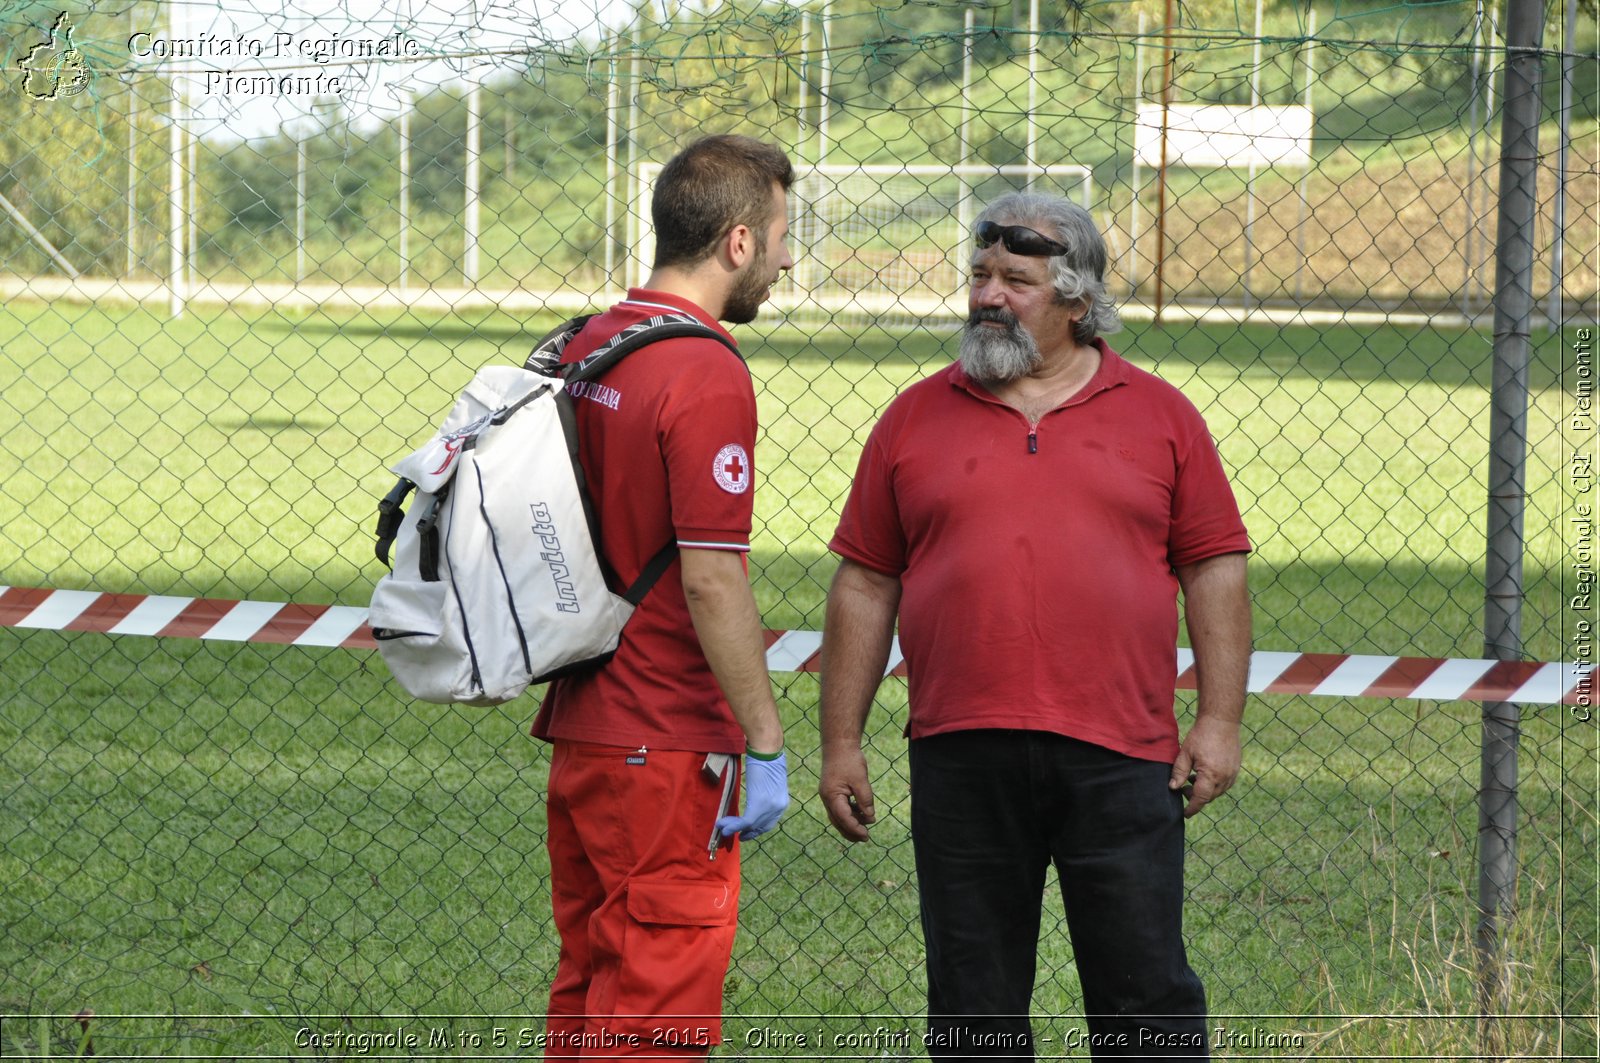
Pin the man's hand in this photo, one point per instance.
(846, 794)
(1210, 754)
(766, 795)
(1216, 609)
(857, 634)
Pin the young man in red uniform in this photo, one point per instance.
(1030, 515)
(644, 848)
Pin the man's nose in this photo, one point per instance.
(988, 293)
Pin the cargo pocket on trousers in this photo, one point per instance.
(675, 958)
(672, 903)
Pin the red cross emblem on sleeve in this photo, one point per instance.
(732, 469)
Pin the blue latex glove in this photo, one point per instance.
(766, 795)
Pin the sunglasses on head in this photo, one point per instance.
(1018, 239)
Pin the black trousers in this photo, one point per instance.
(990, 810)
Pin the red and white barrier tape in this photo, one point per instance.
(1271, 672)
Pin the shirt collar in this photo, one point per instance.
(649, 297)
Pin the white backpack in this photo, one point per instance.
(497, 581)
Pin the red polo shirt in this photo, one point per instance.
(1037, 585)
(666, 439)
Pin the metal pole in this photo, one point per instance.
(133, 178)
(133, 158)
(177, 292)
(1554, 309)
(194, 208)
(800, 276)
(613, 91)
(405, 190)
(38, 237)
(470, 166)
(1305, 175)
(636, 202)
(1472, 166)
(1161, 202)
(800, 111)
(815, 253)
(1138, 95)
(823, 87)
(1250, 173)
(1033, 91)
(964, 188)
(508, 141)
(1481, 215)
(1508, 436)
(300, 209)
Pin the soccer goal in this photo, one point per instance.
(879, 242)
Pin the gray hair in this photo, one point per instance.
(1079, 275)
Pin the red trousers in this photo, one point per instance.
(646, 916)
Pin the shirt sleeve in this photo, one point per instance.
(870, 531)
(1205, 515)
(707, 433)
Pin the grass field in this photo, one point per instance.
(241, 454)
(243, 836)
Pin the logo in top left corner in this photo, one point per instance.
(54, 69)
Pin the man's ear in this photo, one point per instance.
(739, 245)
(1078, 307)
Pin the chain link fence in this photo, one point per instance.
(249, 255)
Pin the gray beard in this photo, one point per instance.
(991, 357)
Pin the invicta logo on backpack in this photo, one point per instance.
(497, 581)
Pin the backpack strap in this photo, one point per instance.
(653, 570)
(390, 517)
(546, 359)
(390, 514)
(651, 330)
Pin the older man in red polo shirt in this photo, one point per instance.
(1030, 515)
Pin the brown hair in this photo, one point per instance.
(709, 187)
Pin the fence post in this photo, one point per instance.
(1248, 300)
(1032, 152)
(1508, 433)
(1468, 254)
(1305, 175)
(471, 169)
(177, 268)
(1161, 183)
(1555, 312)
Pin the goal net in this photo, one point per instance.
(878, 243)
